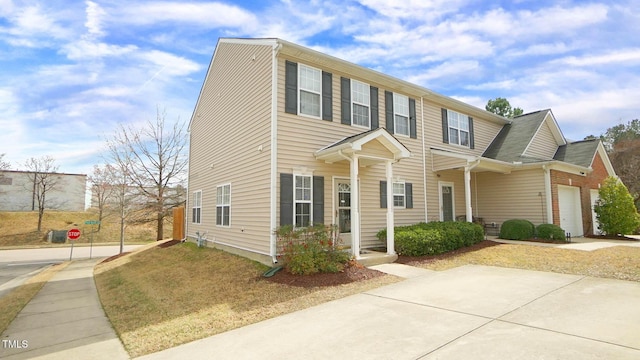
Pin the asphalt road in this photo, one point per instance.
(16, 266)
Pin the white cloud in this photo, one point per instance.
(94, 19)
(621, 56)
(170, 64)
(33, 26)
(446, 70)
(206, 15)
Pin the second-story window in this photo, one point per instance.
(360, 104)
(310, 90)
(458, 128)
(401, 114)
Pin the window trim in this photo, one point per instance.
(296, 201)
(396, 112)
(197, 205)
(459, 129)
(223, 205)
(300, 89)
(404, 194)
(368, 106)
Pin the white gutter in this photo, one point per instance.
(424, 162)
(547, 190)
(273, 201)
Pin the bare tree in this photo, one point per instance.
(155, 160)
(103, 186)
(43, 177)
(4, 165)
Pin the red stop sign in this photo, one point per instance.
(73, 234)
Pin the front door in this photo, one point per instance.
(446, 202)
(343, 210)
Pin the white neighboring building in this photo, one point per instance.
(17, 192)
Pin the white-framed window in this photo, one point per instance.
(458, 128)
(223, 205)
(401, 114)
(360, 104)
(399, 195)
(310, 88)
(196, 209)
(302, 200)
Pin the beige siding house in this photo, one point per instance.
(285, 135)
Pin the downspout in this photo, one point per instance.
(424, 162)
(547, 190)
(273, 201)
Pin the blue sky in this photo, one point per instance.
(70, 71)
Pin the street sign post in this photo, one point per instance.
(93, 230)
(73, 235)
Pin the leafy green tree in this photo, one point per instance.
(620, 133)
(502, 107)
(615, 210)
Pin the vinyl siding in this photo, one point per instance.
(231, 123)
(484, 131)
(543, 145)
(439, 162)
(299, 137)
(510, 196)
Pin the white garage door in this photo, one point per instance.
(570, 210)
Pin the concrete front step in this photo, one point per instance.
(371, 258)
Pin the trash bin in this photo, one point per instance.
(58, 236)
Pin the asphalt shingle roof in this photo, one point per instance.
(512, 140)
(579, 153)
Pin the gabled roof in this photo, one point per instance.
(513, 141)
(578, 153)
(353, 144)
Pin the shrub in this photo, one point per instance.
(434, 237)
(517, 229)
(615, 210)
(550, 232)
(310, 250)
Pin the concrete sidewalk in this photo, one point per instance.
(578, 243)
(469, 312)
(64, 320)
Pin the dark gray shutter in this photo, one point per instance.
(375, 118)
(472, 144)
(318, 200)
(445, 127)
(291, 87)
(388, 110)
(412, 119)
(383, 194)
(408, 192)
(327, 97)
(345, 98)
(286, 199)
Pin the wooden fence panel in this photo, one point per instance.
(178, 223)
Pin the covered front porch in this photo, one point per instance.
(367, 150)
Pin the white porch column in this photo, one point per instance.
(467, 193)
(390, 220)
(355, 208)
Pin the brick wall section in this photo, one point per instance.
(585, 183)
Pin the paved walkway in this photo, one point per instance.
(580, 243)
(64, 320)
(469, 312)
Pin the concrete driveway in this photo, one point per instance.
(470, 312)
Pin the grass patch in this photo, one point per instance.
(12, 303)
(620, 262)
(164, 297)
(20, 228)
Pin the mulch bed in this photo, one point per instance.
(353, 272)
(409, 260)
(610, 237)
(169, 243)
(115, 257)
